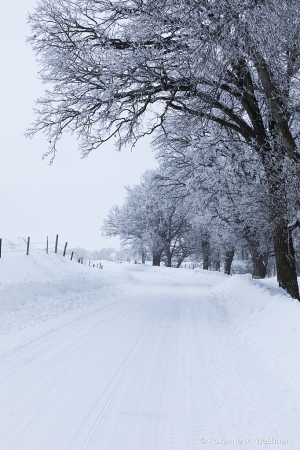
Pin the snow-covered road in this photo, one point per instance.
(163, 365)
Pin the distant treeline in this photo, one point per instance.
(109, 254)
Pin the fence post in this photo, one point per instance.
(72, 256)
(56, 243)
(65, 249)
(0, 247)
(47, 247)
(28, 242)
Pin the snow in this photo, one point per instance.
(38, 286)
(135, 357)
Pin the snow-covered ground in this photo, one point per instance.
(135, 357)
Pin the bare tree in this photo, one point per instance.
(228, 189)
(230, 63)
(152, 221)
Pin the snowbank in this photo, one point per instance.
(144, 355)
(39, 286)
(268, 320)
(263, 316)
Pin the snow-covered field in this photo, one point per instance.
(134, 357)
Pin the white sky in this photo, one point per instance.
(72, 197)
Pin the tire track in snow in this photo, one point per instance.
(102, 406)
(56, 356)
(159, 369)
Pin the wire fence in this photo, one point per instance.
(48, 247)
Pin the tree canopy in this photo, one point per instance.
(123, 69)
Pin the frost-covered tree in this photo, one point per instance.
(104, 253)
(153, 222)
(117, 70)
(227, 186)
(128, 223)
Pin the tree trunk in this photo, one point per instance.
(217, 265)
(285, 259)
(143, 257)
(282, 237)
(228, 261)
(205, 253)
(216, 262)
(259, 259)
(169, 257)
(179, 262)
(259, 266)
(156, 259)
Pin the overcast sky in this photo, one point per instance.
(71, 197)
